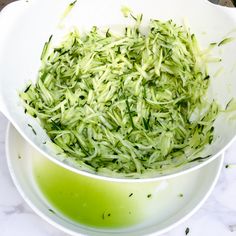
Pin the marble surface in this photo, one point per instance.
(216, 217)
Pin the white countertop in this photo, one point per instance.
(213, 219)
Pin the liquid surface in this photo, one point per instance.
(103, 204)
(92, 202)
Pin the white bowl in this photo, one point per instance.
(162, 211)
(26, 25)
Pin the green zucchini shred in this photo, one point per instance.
(225, 41)
(124, 103)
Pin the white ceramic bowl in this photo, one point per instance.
(26, 25)
(152, 216)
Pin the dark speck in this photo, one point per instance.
(19, 157)
(227, 105)
(32, 129)
(27, 89)
(149, 195)
(52, 211)
(131, 195)
(73, 3)
(187, 231)
(104, 215)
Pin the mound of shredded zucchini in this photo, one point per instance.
(129, 103)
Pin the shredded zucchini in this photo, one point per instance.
(130, 104)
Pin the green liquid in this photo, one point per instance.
(88, 201)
